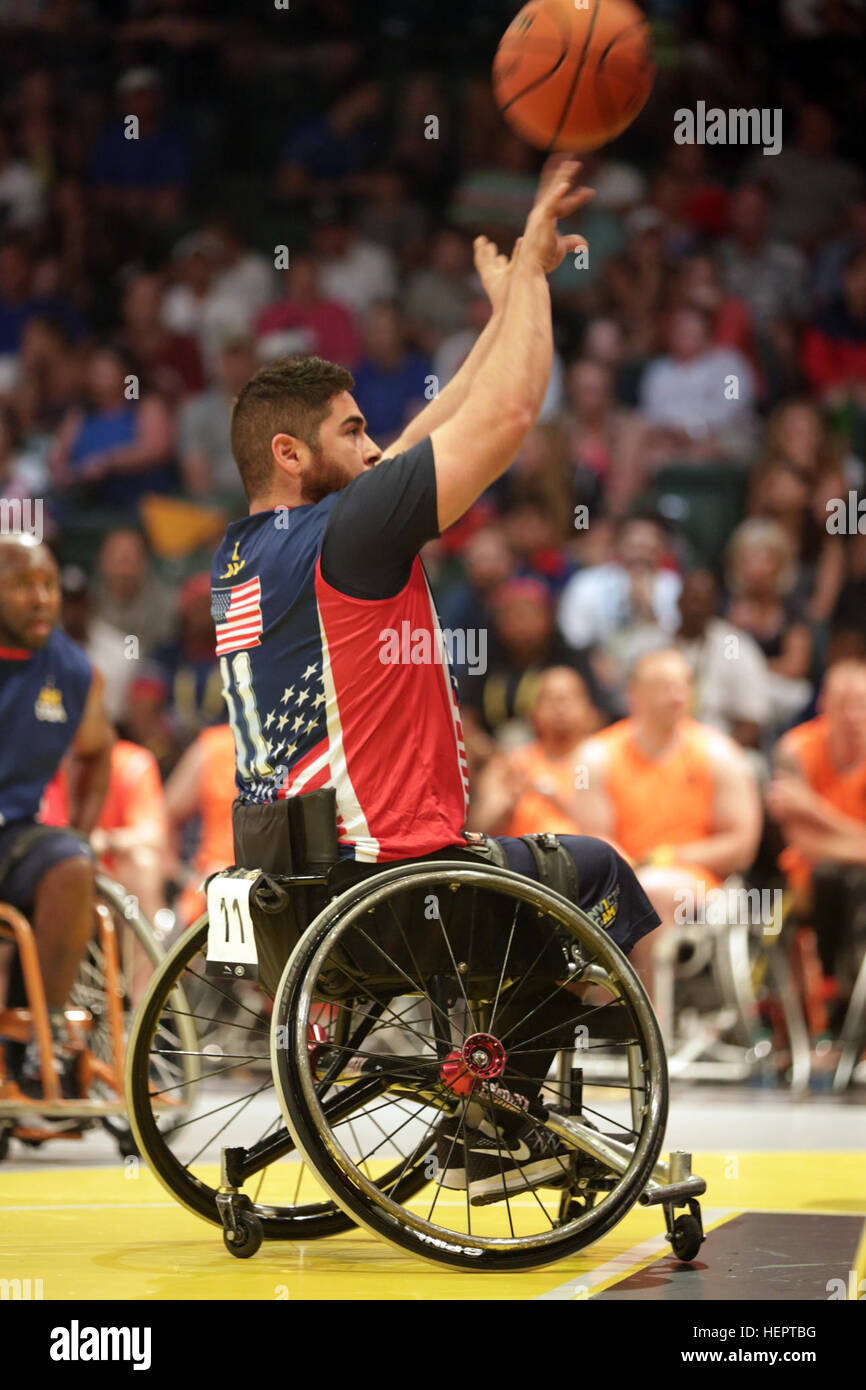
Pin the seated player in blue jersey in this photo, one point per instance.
(51, 702)
(328, 641)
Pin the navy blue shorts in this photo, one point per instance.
(608, 889)
(19, 885)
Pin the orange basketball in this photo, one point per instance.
(572, 74)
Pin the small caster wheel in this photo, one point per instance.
(246, 1240)
(126, 1145)
(687, 1237)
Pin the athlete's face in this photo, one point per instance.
(29, 595)
(342, 452)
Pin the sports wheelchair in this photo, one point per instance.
(418, 1001)
(97, 1019)
(727, 993)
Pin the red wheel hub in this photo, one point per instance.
(481, 1058)
(317, 1042)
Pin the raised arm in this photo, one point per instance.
(494, 270)
(477, 444)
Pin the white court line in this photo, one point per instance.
(93, 1206)
(582, 1285)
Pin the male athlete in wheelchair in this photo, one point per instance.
(62, 996)
(439, 1002)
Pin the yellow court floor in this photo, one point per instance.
(114, 1233)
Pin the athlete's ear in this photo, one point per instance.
(285, 449)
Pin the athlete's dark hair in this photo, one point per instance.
(290, 396)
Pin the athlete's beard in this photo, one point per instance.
(322, 476)
(15, 635)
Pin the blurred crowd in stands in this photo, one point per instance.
(310, 181)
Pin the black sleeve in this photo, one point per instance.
(379, 523)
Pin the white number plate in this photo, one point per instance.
(231, 940)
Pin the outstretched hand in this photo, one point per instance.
(494, 269)
(557, 197)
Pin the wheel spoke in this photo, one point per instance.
(208, 1018)
(222, 1128)
(457, 973)
(194, 1120)
(496, 1132)
(504, 967)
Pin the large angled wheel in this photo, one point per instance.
(139, 953)
(199, 1082)
(455, 996)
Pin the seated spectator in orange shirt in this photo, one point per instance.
(203, 785)
(818, 796)
(678, 796)
(530, 789)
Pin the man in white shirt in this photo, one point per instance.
(699, 398)
(352, 271)
(633, 590)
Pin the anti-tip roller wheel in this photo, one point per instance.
(245, 1241)
(686, 1238)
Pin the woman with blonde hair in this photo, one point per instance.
(761, 573)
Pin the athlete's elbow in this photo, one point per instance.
(518, 420)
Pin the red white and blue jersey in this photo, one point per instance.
(333, 666)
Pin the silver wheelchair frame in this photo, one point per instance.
(666, 1183)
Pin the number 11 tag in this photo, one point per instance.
(231, 940)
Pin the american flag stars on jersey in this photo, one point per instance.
(293, 729)
(237, 613)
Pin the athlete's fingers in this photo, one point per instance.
(557, 167)
(574, 243)
(564, 201)
(485, 249)
(558, 190)
(574, 200)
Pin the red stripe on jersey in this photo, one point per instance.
(304, 775)
(396, 748)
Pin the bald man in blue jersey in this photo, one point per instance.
(51, 703)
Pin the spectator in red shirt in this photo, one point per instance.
(170, 361)
(834, 348)
(303, 321)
